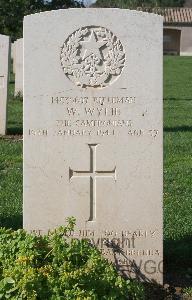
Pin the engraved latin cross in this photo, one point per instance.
(92, 174)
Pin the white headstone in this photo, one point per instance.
(93, 131)
(4, 76)
(19, 67)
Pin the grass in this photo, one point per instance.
(177, 165)
(15, 120)
(11, 165)
(188, 291)
(15, 111)
(11, 183)
(178, 161)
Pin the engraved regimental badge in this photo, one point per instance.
(92, 57)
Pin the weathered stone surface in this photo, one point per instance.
(93, 131)
(18, 66)
(4, 76)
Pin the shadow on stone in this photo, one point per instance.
(130, 268)
(153, 290)
(177, 260)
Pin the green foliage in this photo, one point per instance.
(56, 267)
(12, 13)
(171, 3)
(187, 292)
(138, 3)
(57, 4)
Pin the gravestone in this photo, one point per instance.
(4, 77)
(93, 131)
(18, 67)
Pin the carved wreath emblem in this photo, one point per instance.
(92, 57)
